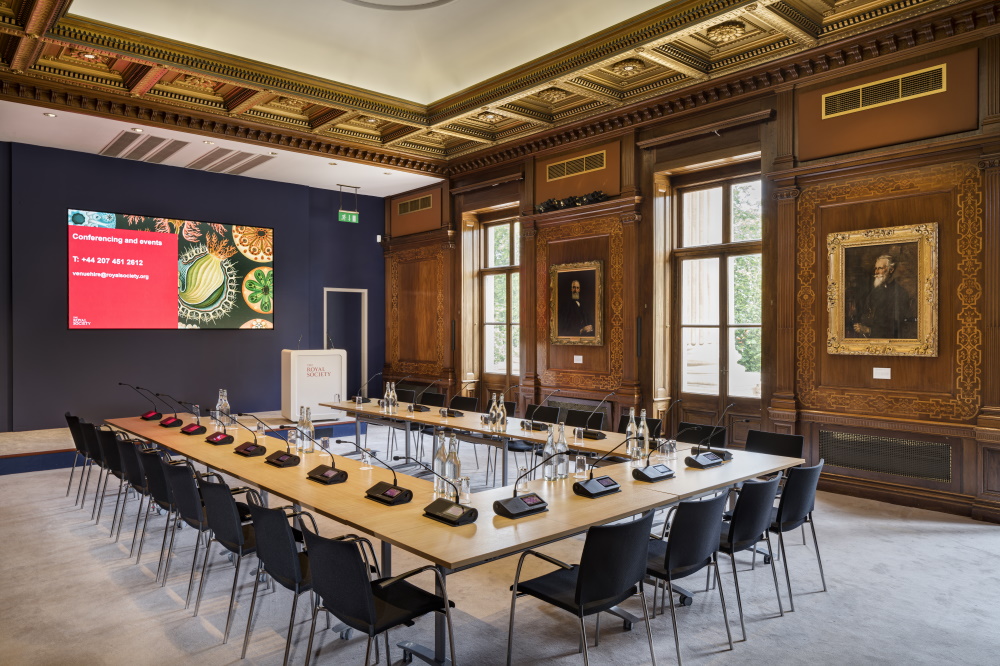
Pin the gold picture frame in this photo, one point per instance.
(576, 312)
(882, 291)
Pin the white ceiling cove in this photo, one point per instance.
(423, 54)
(22, 123)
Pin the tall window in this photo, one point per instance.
(501, 289)
(719, 274)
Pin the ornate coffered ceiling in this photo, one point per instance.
(50, 56)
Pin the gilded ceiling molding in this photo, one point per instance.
(30, 92)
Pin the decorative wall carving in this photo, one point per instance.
(968, 227)
(612, 227)
(394, 260)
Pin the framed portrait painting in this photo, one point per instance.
(576, 304)
(882, 291)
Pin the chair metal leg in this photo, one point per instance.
(583, 639)
(739, 601)
(118, 499)
(788, 580)
(368, 650)
(388, 658)
(597, 631)
(121, 518)
(510, 628)
(194, 562)
(101, 480)
(803, 534)
(104, 492)
(253, 602)
(819, 560)
(86, 484)
(138, 517)
(164, 549)
(312, 630)
(645, 616)
(673, 620)
(142, 538)
(232, 600)
(774, 572)
(291, 627)
(204, 574)
(72, 469)
(722, 598)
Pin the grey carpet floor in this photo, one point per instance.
(905, 586)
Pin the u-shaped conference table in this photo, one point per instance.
(452, 549)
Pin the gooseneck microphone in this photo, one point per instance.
(454, 413)
(708, 458)
(715, 428)
(325, 474)
(596, 434)
(384, 493)
(170, 421)
(444, 510)
(414, 407)
(651, 474)
(358, 394)
(602, 485)
(151, 415)
(530, 419)
(516, 506)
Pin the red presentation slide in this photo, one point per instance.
(119, 278)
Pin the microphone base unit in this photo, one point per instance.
(282, 459)
(218, 438)
(194, 429)
(388, 493)
(419, 408)
(359, 398)
(171, 422)
(597, 487)
(250, 450)
(450, 513)
(520, 506)
(327, 475)
(594, 434)
(534, 425)
(151, 415)
(455, 414)
(704, 460)
(652, 473)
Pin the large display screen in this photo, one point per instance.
(131, 271)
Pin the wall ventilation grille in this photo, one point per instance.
(413, 205)
(576, 166)
(910, 458)
(924, 82)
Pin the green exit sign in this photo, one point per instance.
(348, 216)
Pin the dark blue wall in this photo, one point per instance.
(53, 369)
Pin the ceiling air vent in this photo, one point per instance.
(887, 91)
(576, 166)
(119, 144)
(413, 205)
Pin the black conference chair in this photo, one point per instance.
(432, 399)
(775, 444)
(128, 452)
(691, 545)
(699, 433)
(795, 509)
(578, 418)
(611, 569)
(652, 425)
(81, 451)
(93, 447)
(227, 528)
(341, 574)
(279, 557)
(107, 439)
(183, 481)
(538, 413)
(159, 498)
(749, 523)
(464, 403)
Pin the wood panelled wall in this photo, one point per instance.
(946, 407)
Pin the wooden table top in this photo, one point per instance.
(405, 526)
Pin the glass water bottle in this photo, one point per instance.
(549, 466)
(562, 451)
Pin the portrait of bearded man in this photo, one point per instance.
(882, 308)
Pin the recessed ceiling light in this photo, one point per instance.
(211, 143)
(137, 130)
(333, 164)
(89, 56)
(272, 153)
(387, 173)
(49, 115)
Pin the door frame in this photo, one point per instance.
(364, 327)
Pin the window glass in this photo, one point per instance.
(515, 350)
(702, 215)
(700, 360)
(495, 298)
(745, 211)
(744, 362)
(745, 289)
(516, 243)
(700, 291)
(495, 348)
(515, 298)
(498, 245)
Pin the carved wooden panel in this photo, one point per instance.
(594, 233)
(415, 325)
(961, 261)
(991, 471)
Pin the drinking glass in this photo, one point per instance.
(464, 490)
(261, 429)
(671, 450)
(578, 437)
(196, 410)
(581, 466)
(444, 414)
(366, 459)
(325, 441)
(522, 480)
(381, 406)
(213, 416)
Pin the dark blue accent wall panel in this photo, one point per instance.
(6, 319)
(56, 369)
